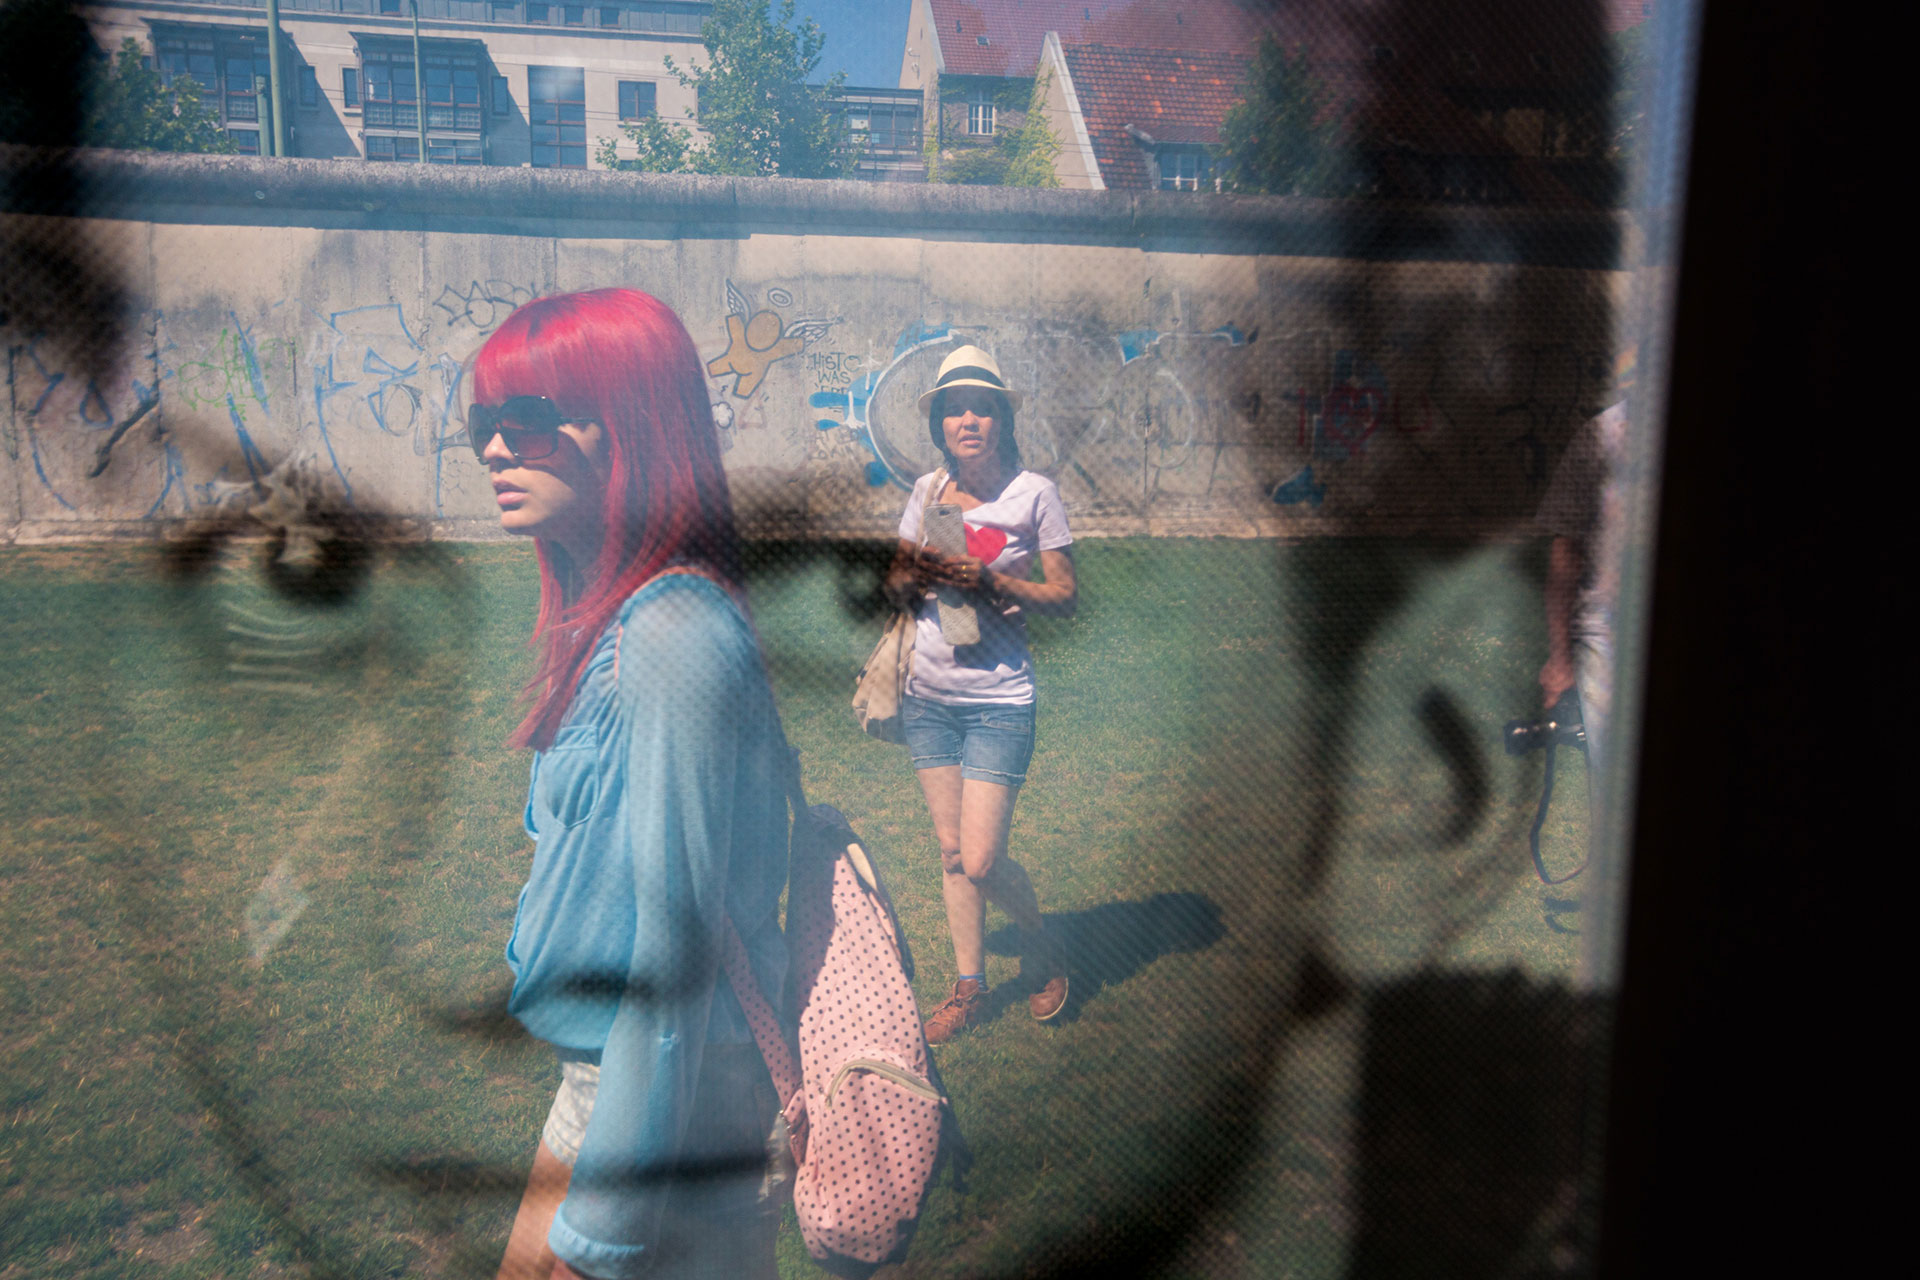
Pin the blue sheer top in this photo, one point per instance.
(660, 804)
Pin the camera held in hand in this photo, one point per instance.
(1560, 727)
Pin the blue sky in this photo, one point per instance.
(865, 38)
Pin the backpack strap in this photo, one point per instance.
(782, 1064)
(761, 1019)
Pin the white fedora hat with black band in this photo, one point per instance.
(969, 367)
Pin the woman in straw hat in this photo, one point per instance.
(968, 711)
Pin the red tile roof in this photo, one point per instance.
(1015, 28)
(1180, 97)
(1171, 95)
(1493, 44)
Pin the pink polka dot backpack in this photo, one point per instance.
(866, 1118)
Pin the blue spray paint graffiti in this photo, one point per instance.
(856, 402)
(448, 437)
(1135, 343)
(1300, 488)
(256, 465)
(176, 473)
(363, 327)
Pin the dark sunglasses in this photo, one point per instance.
(529, 425)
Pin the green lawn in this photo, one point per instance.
(263, 854)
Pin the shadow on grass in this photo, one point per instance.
(1112, 942)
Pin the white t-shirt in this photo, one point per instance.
(1007, 534)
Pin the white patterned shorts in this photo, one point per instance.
(712, 1228)
(567, 1120)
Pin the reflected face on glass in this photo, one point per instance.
(315, 866)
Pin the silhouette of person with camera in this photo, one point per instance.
(1585, 510)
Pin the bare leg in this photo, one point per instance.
(528, 1257)
(966, 904)
(971, 819)
(986, 815)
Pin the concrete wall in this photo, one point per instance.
(1212, 365)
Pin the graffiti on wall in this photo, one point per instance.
(1115, 412)
(1186, 417)
(756, 340)
(291, 384)
(481, 304)
(1339, 424)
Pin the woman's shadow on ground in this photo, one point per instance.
(1112, 942)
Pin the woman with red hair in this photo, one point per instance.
(657, 802)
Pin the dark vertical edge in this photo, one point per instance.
(1736, 1096)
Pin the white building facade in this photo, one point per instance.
(506, 82)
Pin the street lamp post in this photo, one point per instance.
(276, 86)
(419, 80)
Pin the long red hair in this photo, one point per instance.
(621, 357)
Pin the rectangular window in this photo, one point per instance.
(1184, 171)
(350, 88)
(636, 99)
(453, 94)
(573, 15)
(402, 148)
(246, 77)
(609, 17)
(309, 87)
(390, 7)
(247, 140)
(453, 151)
(536, 12)
(192, 59)
(502, 97)
(980, 113)
(557, 116)
(392, 99)
(506, 11)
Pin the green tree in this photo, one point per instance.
(760, 115)
(1021, 157)
(1034, 148)
(129, 106)
(1281, 138)
(1626, 111)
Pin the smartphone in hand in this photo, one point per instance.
(947, 534)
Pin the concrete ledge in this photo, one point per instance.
(62, 533)
(350, 194)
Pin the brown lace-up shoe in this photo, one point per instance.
(1051, 998)
(958, 1011)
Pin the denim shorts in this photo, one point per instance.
(990, 743)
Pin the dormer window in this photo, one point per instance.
(980, 113)
(1184, 169)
